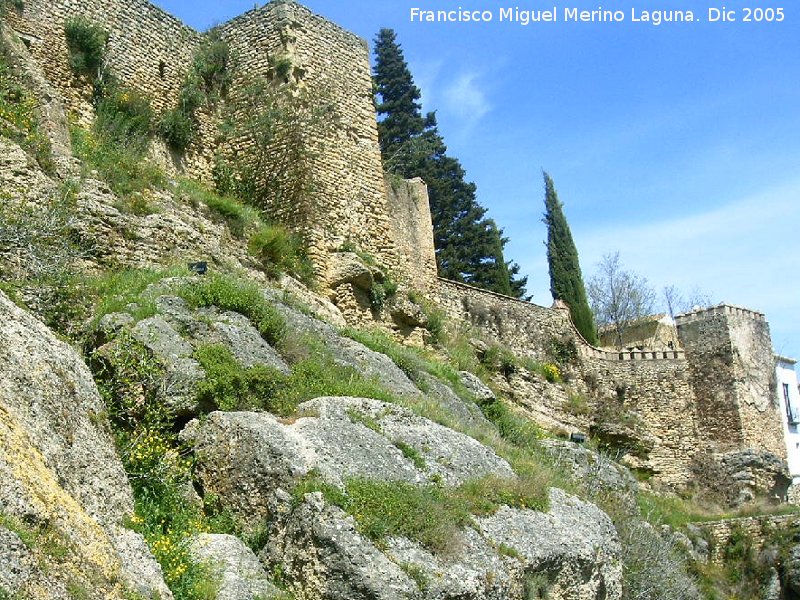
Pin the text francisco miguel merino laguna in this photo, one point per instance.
(599, 15)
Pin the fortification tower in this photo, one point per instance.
(732, 370)
(151, 52)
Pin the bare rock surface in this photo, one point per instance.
(58, 465)
(240, 574)
(353, 354)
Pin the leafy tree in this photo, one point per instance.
(619, 297)
(566, 280)
(469, 246)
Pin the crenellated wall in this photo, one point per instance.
(714, 397)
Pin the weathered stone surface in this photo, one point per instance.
(595, 472)
(318, 546)
(58, 465)
(239, 572)
(478, 389)
(245, 457)
(347, 267)
(792, 570)
(350, 353)
(575, 542)
(465, 412)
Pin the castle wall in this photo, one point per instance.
(148, 49)
(412, 232)
(349, 199)
(733, 374)
(715, 396)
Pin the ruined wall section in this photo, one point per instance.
(349, 200)
(148, 49)
(525, 328)
(659, 394)
(412, 231)
(731, 364)
(653, 385)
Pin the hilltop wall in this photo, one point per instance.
(349, 198)
(148, 49)
(732, 368)
(151, 52)
(717, 396)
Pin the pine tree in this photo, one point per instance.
(566, 280)
(469, 247)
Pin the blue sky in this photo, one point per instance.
(677, 145)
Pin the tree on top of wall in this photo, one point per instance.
(566, 279)
(469, 246)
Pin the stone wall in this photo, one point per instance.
(349, 199)
(713, 398)
(758, 530)
(148, 49)
(412, 232)
(732, 368)
(151, 52)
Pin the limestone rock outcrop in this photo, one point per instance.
(60, 476)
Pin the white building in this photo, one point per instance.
(789, 400)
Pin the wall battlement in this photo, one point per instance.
(720, 309)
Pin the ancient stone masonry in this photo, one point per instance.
(759, 530)
(148, 49)
(350, 202)
(713, 397)
(732, 368)
(151, 52)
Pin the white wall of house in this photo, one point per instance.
(789, 400)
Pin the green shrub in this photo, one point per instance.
(229, 386)
(499, 359)
(235, 214)
(86, 42)
(18, 120)
(279, 251)
(120, 165)
(212, 66)
(208, 81)
(124, 117)
(177, 128)
(230, 293)
(381, 292)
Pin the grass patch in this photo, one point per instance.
(121, 166)
(122, 291)
(279, 251)
(431, 515)
(227, 292)
(236, 215)
(356, 416)
(412, 454)
(229, 386)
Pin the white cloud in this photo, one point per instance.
(746, 252)
(465, 99)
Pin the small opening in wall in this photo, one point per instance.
(162, 69)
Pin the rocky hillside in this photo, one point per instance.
(219, 432)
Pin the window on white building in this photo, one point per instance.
(791, 411)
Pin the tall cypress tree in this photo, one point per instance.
(469, 247)
(566, 280)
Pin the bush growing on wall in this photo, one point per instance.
(87, 44)
(278, 125)
(208, 81)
